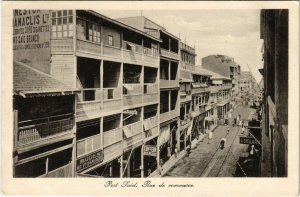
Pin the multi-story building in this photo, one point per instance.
(117, 109)
(221, 93)
(225, 66)
(274, 32)
(168, 84)
(44, 124)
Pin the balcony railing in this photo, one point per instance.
(169, 83)
(64, 171)
(89, 47)
(88, 145)
(46, 128)
(169, 54)
(151, 93)
(133, 133)
(133, 95)
(112, 136)
(62, 45)
(111, 51)
(89, 104)
(185, 98)
(149, 123)
(151, 61)
(112, 99)
(168, 115)
(134, 54)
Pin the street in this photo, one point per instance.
(208, 159)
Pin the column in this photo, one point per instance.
(142, 161)
(121, 166)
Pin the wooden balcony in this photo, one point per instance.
(113, 151)
(133, 134)
(185, 98)
(169, 54)
(88, 145)
(151, 128)
(167, 84)
(88, 47)
(112, 52)
(149, 123)
(151, 95)
(187, 66)
(185, 124)
(64, 171)
(150, 134)
(112, 99)
(112, 136)
(134, 95)
(62, 45)
(89, 105)
(46, 128)
(199, 90)
(132, 57)
(168, 115)
(151, 61)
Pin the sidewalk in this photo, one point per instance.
(171, 162)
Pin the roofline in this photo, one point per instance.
(122, 24)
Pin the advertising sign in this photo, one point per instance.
(31, 38)
(247, 140)
(150, 150)
(89, 160)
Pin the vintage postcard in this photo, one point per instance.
(150, 98)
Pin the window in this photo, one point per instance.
(88, 31)
(110, 41)
(62, 24)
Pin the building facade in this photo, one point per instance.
(274, 32)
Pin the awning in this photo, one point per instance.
(208, 119)
(196, 85)
(208, 107)
(195, 114)
(164, 135)
(127, 132)
(186, 80)
(128, 87)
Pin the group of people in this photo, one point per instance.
(239, 122)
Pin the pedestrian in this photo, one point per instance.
(243, 129)
(222, 143)
(210, 136)
(240, 123)
(228, 130)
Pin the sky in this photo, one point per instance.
(235, 33)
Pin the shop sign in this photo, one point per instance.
(248, 140)
(89, 160)
(150, 150)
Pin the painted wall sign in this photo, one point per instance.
(150, 150)
(31, 38)
(89, 160)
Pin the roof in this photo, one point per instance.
(29, 81)
(201, 71)
(121, 24)
(128, 21)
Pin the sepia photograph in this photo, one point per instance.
(150, 93)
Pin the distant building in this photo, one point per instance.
(225, 66)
